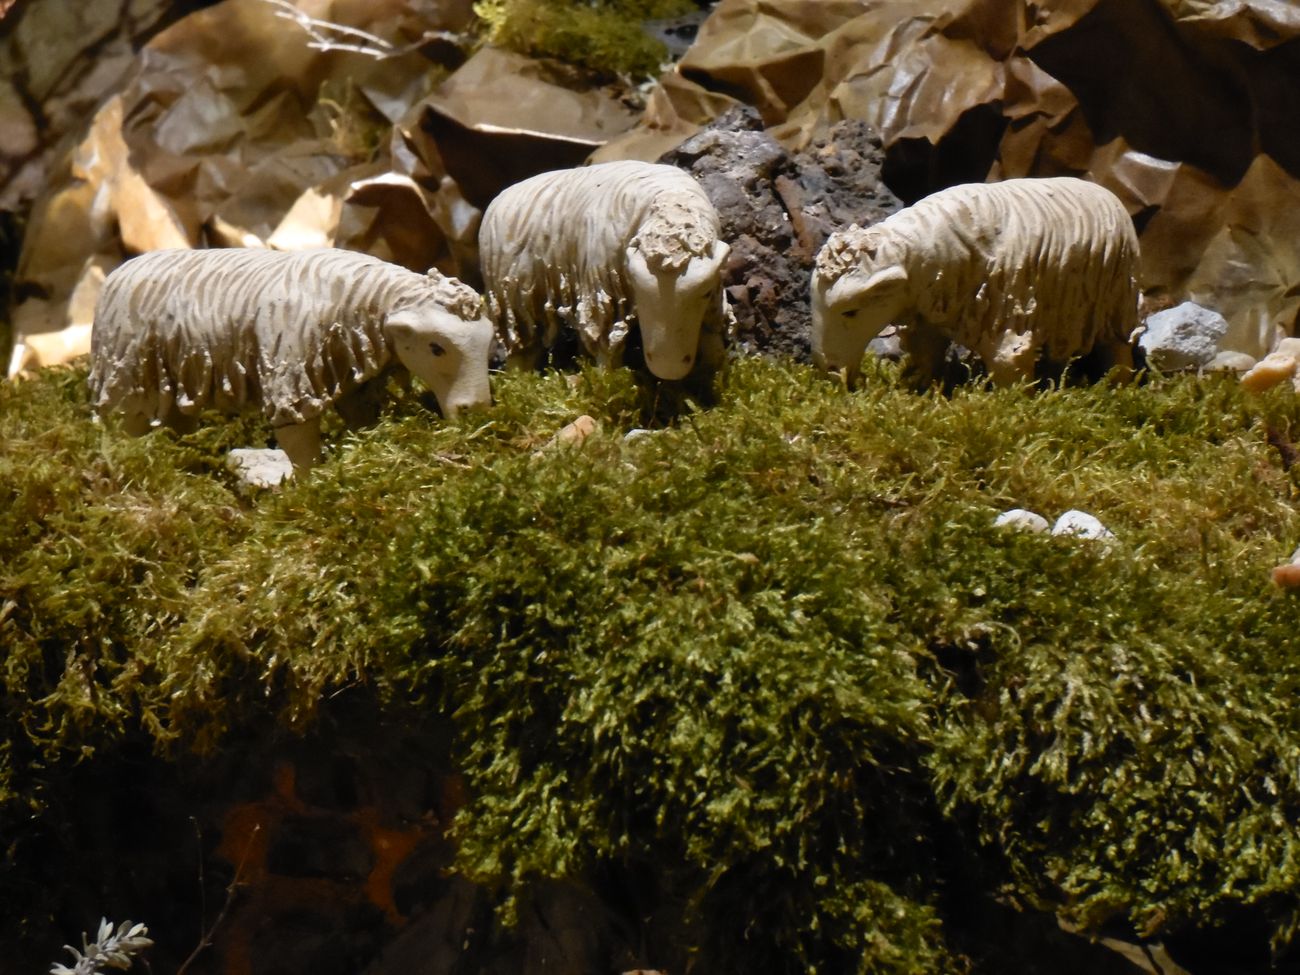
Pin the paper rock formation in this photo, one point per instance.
(1181, 109)
(229, 129)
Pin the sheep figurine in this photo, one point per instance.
(1009, 270)
(179, 331)
(598, 249)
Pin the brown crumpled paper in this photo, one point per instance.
(1185, 108)
(232, 131)
(217, 132)
(504, 117)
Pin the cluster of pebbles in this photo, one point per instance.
(1073, 524)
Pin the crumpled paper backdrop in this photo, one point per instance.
(1185, 108)
(55, 69)
(231, 131)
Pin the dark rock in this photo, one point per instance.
(777, 208)
(444, 939)
(423, 877)
(678, 33)
(319, 846)
(330, 941)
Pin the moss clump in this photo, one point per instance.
(773, 655)
(605, 36)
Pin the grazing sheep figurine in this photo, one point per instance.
(601, 247)
(1007, 269)
(179, 331)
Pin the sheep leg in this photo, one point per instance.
(182, 423)
(361, 407)
(526, 358)
(1116, 358)
(1010, 357)
(713, 347)
(924, 347)
(301, 441)
(136, 424)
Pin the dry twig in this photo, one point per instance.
(328, 36)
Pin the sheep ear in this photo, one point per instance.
(885, 278)
(855, 287)
(398, 328)
(702, 269)
(637, 268)
(719, 254)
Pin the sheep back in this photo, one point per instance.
(552, 249)
(1056, 257)
(180, 331)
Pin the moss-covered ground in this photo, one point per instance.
(604, 36)
(774, 650)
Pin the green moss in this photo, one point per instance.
(774, 652)
(605, 36)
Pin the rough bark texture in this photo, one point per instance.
(777, 208)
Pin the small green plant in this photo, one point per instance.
(352, 125)
(605, 36)
(111, 949)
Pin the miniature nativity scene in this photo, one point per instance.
(647, 485)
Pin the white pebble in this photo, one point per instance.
(1080, 524)
(1021, 519)
(1238, 362)
(260, 467)
(1274, 368)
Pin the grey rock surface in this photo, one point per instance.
(1186, 336)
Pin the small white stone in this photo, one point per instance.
(637, 433)
(1237, 362)
(573, 434)
(1021, 519)
(1080, 524)
(260, 466)
(1269, 371)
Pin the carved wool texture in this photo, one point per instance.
(289, 332)
(1057, 257)
(553, 247)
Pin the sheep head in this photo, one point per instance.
(445, 341)
(853, 299)
(672, 299)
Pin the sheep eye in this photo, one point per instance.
(851, 313)
(437, 349)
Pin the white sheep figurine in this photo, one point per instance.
(179, 331)
(598, 249)
(1009, 270)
